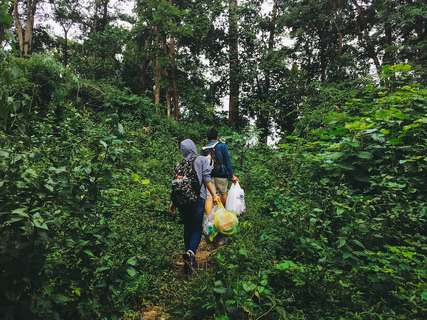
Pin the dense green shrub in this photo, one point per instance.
(339, 225)
(336, 227)
(76, 239)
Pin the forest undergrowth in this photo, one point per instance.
(336, 226)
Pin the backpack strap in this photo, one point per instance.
(210, 147)
(199, 185)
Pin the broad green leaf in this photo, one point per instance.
(104, 144)
(243, 252)
(40, 225)
(422, 120)
(341, 242)
(132, 261)
(135, 177)
(346, 255)
(89, 253)
(131, 272)
(285, 265)
(248, 286)
(76, 291)
(340, 210)
(357, 126)
(220, 290)
(360, 244)
(38, 221)
(364, 155)
(14, 219)
(120, 129)
(22, 212)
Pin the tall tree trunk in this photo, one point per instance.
(271, 43)
(263, 118)
(173, 90)
(157, 68)
(388, 53)
(337, 7)
(19, 28)
(234, 62)
(30, 25)
(322, 57)
(420, 58)
(388, 31)
(157, 79)
(143, 67)
(168, 104)
(65, 54)
(25, 33)
(366, 39)
(100, 19)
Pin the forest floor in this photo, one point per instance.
(205, 250)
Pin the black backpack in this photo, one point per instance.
(185, 185)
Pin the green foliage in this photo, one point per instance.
(73, 238)
(336, 228)
(99, 57)
(31, 89)
(337, 211)
(5, 21)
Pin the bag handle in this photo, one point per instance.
(220, 205)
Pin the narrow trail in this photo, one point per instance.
(177, 282)
(157, 312)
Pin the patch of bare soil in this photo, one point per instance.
(154, 313)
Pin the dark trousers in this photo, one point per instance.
(192, 217)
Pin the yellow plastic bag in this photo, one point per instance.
(225, 222)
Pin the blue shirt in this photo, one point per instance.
(223, 156)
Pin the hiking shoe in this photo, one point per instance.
(189, 262)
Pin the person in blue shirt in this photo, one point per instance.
(222, 170)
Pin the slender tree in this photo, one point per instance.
(365, 39)
(172, 91)
(66, 14)
(157, 66)
(263, 119)
(24, 24)
(101, 16)
(233, 38)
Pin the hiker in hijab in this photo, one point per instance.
(190, 186)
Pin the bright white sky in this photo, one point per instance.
(122, 6)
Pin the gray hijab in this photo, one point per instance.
(188, 149)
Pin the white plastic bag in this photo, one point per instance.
(236, 199)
